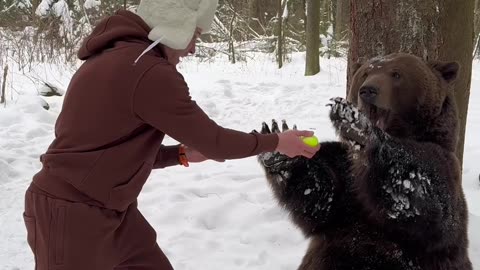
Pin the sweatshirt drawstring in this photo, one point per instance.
(155, 43)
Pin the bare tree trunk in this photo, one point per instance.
(334, 15)
(325, 8)
(35, 4)
(325, 16)
(431, 29)
(255, 19)
(342, 18)
(279, 34)
(231, 42)
(281, 5)
(304, 17)
(4, 83)
(477, 29)
(313, 38)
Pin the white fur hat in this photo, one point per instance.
(173, 22)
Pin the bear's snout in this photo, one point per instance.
(369, 93)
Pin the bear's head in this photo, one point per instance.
(408, 97)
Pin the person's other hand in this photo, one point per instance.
(194, 156)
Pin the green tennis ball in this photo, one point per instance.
(310, 141)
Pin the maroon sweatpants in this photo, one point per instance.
(76, 236)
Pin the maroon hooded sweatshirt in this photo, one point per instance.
(108, 136)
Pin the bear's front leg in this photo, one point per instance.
(411, 186)
(310, 189)
(349, 123)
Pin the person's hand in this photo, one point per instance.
(194, 156)
(290, 142)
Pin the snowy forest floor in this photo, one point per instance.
(213, 216)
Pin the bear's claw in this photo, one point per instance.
(274, 161)
(349, 122)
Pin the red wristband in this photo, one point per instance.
(182, 156)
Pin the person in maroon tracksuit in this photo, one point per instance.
(80, 209)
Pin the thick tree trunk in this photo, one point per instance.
(477, 28)
(342, 17)
(313, 38)
(255, 18)
(432, 29)
(457, 30)
(477, 17)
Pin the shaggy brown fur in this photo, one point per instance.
(388, 196)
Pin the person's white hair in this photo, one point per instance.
(173, 22)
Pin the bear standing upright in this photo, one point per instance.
(388, 195)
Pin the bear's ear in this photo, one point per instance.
(448, 70)
(354, 67)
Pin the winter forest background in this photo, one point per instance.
(263, 59)
(50, 31)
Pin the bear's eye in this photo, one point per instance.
(396, 75)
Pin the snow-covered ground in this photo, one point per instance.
(211, 215)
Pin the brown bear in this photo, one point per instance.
(388, 195)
